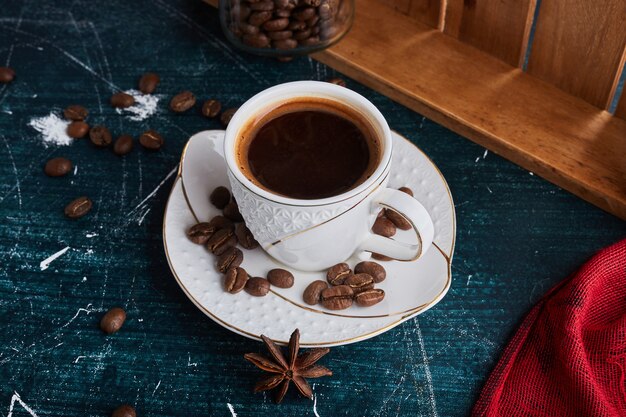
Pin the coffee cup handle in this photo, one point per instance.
(416, 214)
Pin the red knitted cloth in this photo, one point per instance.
(568, 358)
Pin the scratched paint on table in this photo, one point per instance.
(517, 235)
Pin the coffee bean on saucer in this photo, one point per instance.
(7, 75)
(231, 258)
(232, 211)
(406, 190)
(148, 82)
(337, 297)
(313, 292)
(369, 297)
(200, 233)
(75, 112)
(151, 139)
(58, 167)
(384, 227)
(397, 219)
(338, 273)
(221, 222)
(337, 81)
(122, 100)
(227, 115)
(113, 320)
(220, 241)
(359, 282)
(220, 197)
(257, 286)
(182, 101)
(100, 136)
(235, 280)
(211, 108)
(124, 411)
(78, 208)
(280, 278)
(376, 271)
(123, 145)
(380, 257)
(77, 129)
(245, 237)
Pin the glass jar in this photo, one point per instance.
(283, 28)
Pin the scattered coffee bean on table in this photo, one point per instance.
(398, 219)
(113, 320)
(245, 237)
(380, 257)
(78, 207)
(151, 139)
(123, 145)
(75, 112)
(337, 297)
(281, 278)
(100, 136)
(7, 75)
(124, 411)
(232, 211)
(182, 101)
(235, 280)
(148, 82)
(406, 190)
(384, 227)
(227, 115)
(220, 241)
(77, 129)
(220, 197)
(376, 271)
(211, 108)
(313, 292)
(200, 233)
(58, 167)
(337, 274)
(122, 100)
(338, 81)
(231, 258)
(369, 297)
(258, 287)
(359, 282)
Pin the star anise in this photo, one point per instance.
(283, 371)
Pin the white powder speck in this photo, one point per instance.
(75, 169)
(144, 107)
(531, 173)
(52, 129)
(90, 235)
(84, 279)
(477, 159)
(89, 251)
(140, 320)
(39, 48)
(43, 265)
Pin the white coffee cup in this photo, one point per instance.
(313, 235)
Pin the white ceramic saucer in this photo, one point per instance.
(411, 287)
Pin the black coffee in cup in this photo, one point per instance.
(308, 148)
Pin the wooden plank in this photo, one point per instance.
(401, 6)
(498, 27)
(580, 46)
(620, 111)
(429, 12)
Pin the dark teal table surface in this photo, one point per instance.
(517, 235)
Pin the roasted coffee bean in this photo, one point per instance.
(257, 286)
(313, 40)
(315, 30)
(75, 112)
(258, 18)
(78, 207)
(337, 81)
(297, 25)
(337, 298)
(182, 101)
(338, 273)
(281, 278)
(313, 292)
(227, 115)
(312, 3)
(58, 167)
(369, 297)
(100, 136)
(312, 21)
(113, 320)
(359, 282)
(373, 269)
(148, 82)
(241, 12)
(406, 190)
(211, 108)
(285, 44)
(122, 100)
(303, 14)
(380, 257)
(124, 411)
(245, 237)
(325, 11)
(276, 24)
(302, 34)
(200, 233)
(6, 75)
(77, 129)
(264, 5)
(220, 197)
(221, 222)
(151, 139)
(220, 241)
(280, 35)
(397, 219)
(235, 30)
(282, 4)
(235, 280)
(282, 13)
(232, 211)
(248, 29)
(384, 227)
(260, 40)
(231, 258)
(123, 145)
